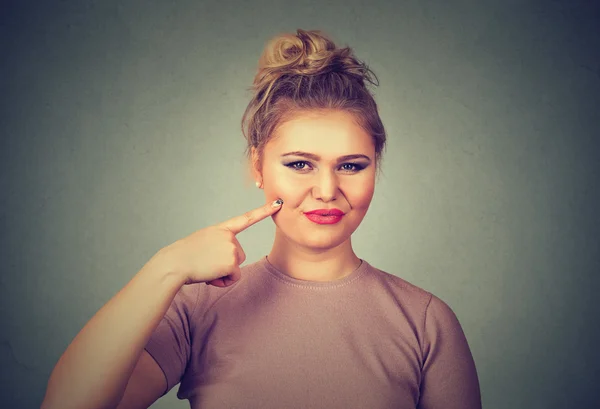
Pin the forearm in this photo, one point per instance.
(94, 370)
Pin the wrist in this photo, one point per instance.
(158, 268)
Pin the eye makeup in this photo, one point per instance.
(317, 158)
(357, 166)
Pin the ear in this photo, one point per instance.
(254, 165)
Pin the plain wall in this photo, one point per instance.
(120, 133)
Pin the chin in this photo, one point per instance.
(322, 241)
(320, 247)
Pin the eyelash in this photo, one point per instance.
(357, 166)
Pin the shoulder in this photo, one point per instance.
(440, 317)
(433, 318)
(396, 283)
(432, 310)
(402, 302)
(400, 286)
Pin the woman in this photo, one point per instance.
(311, 325)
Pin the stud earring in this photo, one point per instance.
(258, 185)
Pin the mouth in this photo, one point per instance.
(326, 212)
(323, 218)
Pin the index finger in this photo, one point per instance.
(242, 222)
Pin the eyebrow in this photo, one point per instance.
(318, 158)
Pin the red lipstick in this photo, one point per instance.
(324, 216)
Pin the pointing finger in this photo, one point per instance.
(240, 223)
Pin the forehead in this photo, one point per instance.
(334, 132)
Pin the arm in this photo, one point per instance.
(145, 386)
(449, 377)
(95, 369)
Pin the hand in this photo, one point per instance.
(212, 255)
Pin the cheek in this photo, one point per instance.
(360, 195)
(279, 184)
(291, 196)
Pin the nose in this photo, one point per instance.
(325, 186)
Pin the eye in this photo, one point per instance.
(356, 167)
(291, 165)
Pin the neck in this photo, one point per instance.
(310, 263)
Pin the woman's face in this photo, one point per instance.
(323, 181)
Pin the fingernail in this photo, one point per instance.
(277, 203)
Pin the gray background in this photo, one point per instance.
(120, 134)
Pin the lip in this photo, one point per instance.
(317, 218)
(323, 212)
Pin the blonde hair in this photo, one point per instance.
(306, 72)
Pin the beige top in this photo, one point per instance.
(369, 340)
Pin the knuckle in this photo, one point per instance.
(230, 235)
(227, 234)
(249, 217)
(234, 254)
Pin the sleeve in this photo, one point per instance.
(449, 377)
(170, 342)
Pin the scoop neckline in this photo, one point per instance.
(359, 271)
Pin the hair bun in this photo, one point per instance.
(306, 53)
